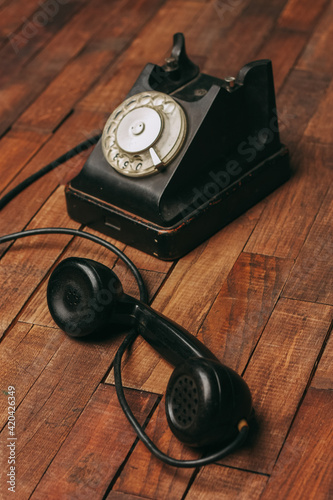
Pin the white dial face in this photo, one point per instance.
(144, 134)
(139, 130)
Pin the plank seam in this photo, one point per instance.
(308, 385)
(123, 464)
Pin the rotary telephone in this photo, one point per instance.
(182, 156)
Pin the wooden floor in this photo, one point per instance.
(259, 293)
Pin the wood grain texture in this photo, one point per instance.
(242, 308)
(301, 15)
(27, 80)
(82, 468)
(118, 495)
(246, 43)
(234, 323)
(24, 354)
(323, 375)
(223, 482)
(33, 32)
(112, 88)
(20, 279)
(59, 98)
(282, 48)
(194, 282)
(45, 64)
(113, 30)
(258, 293)
(278, 374)
(279, 234)
(76, 129)
(304, 468)
(312, 276)
(297, 102)
(12, 13)
(188, 294)
(317, 55)
(219, 16)
(146, 476)
(55, 401)
(319, 128)
(16, 149)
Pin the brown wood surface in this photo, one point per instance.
(258, 293)
(87, 462)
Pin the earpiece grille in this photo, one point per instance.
(72, 296)
(184, 401)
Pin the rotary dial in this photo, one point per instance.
(144, 134)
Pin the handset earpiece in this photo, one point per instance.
(82, 295)
(205, 400)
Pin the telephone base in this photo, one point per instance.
(169, 243)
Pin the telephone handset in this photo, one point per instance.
(182, 156)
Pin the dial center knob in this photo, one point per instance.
(139, 129)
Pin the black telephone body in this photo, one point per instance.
(182, 156)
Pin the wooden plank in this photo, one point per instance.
(148, 262)
(220, 287)
(235, 484)
(3, 3)
(245, 43)
(297, 102)
(76, 129)
(54, 104)
(317, 128)
(30, 39)
(42, 257)
(312, 276)
(317, 55)
(146, 476)
(54, 403)
(112, 88)
(236, 319)
(219, 15)
(301, 15)
(323, 377)
(97, 445)
(16, 149)
(24, 352)
(282, 48)
(26, 264)
(40, 70)
(117, 495)
(273, 8)
(277, 375)
(304, 468)
(72, 38)
(12, 14)
(197, 278)
(152, 279)
(241, 310)
(279, 234)
(118, 26)
(189, 292)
